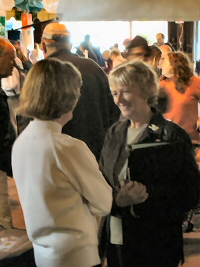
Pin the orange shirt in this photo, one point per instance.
(182, 108)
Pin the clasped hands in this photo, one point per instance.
(131, 193)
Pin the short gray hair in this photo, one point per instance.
(137, 73)
(57, 41)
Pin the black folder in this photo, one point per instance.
(156, 163)
(161, 168)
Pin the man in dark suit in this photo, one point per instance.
(95, 111)
(7, 135)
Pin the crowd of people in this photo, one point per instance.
(103, 136)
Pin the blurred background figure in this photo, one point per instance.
(37, 54)
(108, 61)
(115, 47)
(160, 39)
(165, 49)
(154, 58)
(95, 111)
(138, 49)
(96, 50)
(182, 90)
(19, 51)
(84, 50)
(125, 43)
(7, 134)
(116, 58)
(25, 61)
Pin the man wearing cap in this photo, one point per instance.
(95, 111)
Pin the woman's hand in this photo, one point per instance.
(131, 193)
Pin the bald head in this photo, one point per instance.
(55, 37)
(160, 39)
(165, 49)
(5, 45)
(7, 56)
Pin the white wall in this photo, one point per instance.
(106, 33)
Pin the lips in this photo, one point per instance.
(124, 108)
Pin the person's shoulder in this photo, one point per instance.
(88, 62)
(65, 141)
(162, 83)
(118, 126)
(88, 67)
(22, 140)
(176, 133)
(82, 63)
(195, 79)
(165, 84)
(171, 46)
(195, 86)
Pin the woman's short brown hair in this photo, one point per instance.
(51, 89)
(137, 73)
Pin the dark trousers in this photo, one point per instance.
(114, 259)
(114, 256)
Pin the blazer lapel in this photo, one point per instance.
(154, 132)
(120, 154)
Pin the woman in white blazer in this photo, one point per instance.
(60, 186)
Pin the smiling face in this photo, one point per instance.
(129, 101)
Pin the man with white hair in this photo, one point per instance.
(95, 111)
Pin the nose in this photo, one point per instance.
(119, 99)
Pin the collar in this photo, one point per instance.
(52, 126)
(154, 131)
(59, 52)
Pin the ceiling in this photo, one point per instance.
(113, 10)
(128, 10)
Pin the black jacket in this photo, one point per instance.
(7, 135)
(154, 238)
(95, 111)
